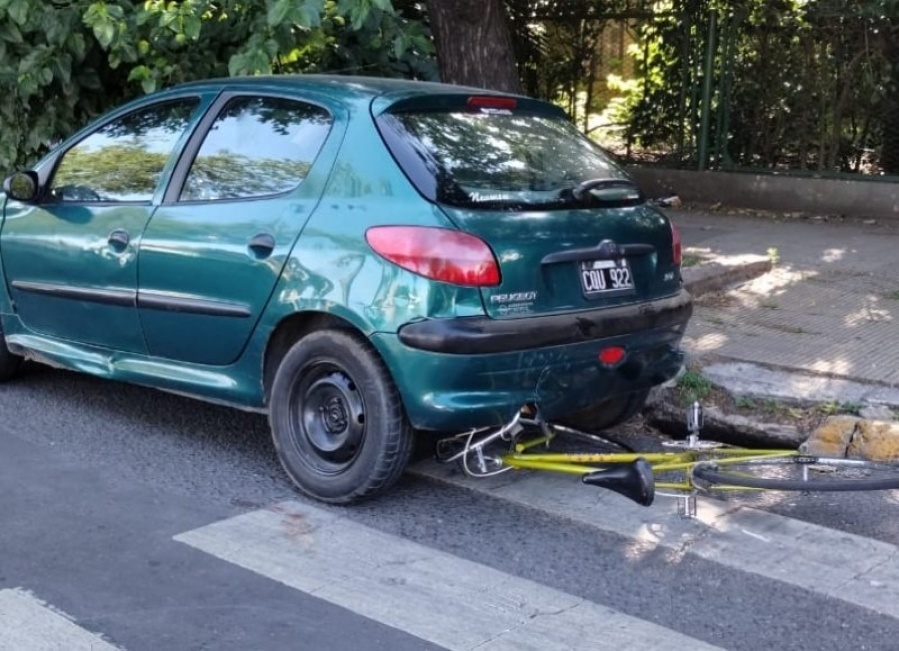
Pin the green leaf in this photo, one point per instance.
(278, 11)
(10, 33)
(237, 65)
(62, 66)
(192, 27)
(18, 11)
(139, 73)
(89, 79)
(104, 32)
(399, 46)
(358, 15)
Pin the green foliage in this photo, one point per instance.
(690, 261)
(61, 67)
(834, 407)
(744, 402)
(694, 386)
(805, 85)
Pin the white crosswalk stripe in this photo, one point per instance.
(438, 597)
(460, 604)
(854, 569)
(28, 624)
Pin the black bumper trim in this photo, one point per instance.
(483, 335)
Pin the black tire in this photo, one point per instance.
(799, 474)
(337, 419)
(608, 413)
(9, 363)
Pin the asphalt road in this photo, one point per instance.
(100, 481)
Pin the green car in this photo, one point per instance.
(362, 259)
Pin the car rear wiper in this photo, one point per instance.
(608, 192)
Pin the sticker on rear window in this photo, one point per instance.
(479, 197)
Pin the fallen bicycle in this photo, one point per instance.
(680, 468)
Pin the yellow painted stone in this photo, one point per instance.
(833, 437)
(875, 440)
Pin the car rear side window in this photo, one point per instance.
(495, 158)
(257, 146)
(124, 159)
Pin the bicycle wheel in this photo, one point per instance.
(802, 473)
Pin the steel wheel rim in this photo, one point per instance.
(327, 418)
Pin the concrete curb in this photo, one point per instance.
(666, 415)
(720, 272)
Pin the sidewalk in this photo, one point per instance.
(822, 324)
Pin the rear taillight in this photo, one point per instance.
(437, 253)
(676, 246)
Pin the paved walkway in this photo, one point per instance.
(829, 306)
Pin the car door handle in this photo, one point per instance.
(119, 239)
(262, 245)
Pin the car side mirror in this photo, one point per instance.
(22, 186)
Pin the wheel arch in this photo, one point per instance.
(289, 331)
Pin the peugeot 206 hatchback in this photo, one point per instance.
(361, 259)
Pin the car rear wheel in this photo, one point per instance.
(608, 413)
(337, 420)
(9, 363)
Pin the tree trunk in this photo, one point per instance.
(474, 47)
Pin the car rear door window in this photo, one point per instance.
(257, 146)
(124, 159)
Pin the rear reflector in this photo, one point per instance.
(492, 102)
(437, 253)
(611, 356)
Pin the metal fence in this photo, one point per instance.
(792, 86)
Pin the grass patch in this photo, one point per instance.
(769, 304)
(744, 402)
(694, 386)
(690, 261)
(894, 296)
(834, 408)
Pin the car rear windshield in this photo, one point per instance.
(495, 159)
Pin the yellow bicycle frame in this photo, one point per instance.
(579, 463)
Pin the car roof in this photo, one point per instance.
(339, 86)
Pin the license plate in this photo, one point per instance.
(606, 278)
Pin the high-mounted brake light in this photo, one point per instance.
(677, 247)
(437, 253)
(492, 102)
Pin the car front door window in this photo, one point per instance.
(123, 161)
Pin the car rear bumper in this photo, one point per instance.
(483, 335)
(451, 392)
